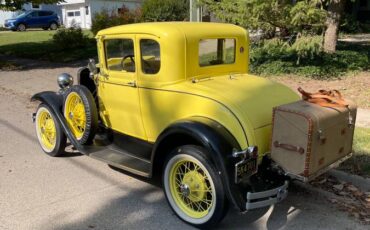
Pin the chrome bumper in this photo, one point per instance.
(266, 198)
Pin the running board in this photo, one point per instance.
(121, 159)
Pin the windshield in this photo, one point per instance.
(22, 15)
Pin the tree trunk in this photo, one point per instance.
(335, 10)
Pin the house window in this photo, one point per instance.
(70, 14)
(77, 13)
(216, 51)
(35, 6)
(150, 56)
(87, 10)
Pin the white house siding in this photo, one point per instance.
(94, 6)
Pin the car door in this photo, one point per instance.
(32, 19)
(119, 101)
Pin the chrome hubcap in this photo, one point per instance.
(185, 190)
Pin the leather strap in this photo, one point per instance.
(325, 98)
(289, 147)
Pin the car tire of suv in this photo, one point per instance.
(21, 27)
(193, 187)
(53, 26)
(81, 113)
(49, 132)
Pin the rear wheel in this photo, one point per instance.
(193, 187)
(53, 26)
(21, 27)
(81, 113)
(49, 133)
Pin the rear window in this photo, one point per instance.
(216, 51)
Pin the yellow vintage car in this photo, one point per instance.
(174, 100)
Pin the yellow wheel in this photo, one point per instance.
(192, 187)
(81, 113)
(49, 133)
(74, 112)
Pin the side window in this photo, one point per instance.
(43, 13)
(150, 56)
(34, 14)
(119, 54)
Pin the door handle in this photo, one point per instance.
(131, 83)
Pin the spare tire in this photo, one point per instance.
(81, 113)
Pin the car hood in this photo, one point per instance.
(251, 98)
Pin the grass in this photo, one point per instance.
(36, 44)
(360, 162)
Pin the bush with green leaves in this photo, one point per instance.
(71, 38)
(165, 10)
(276, 57)
(105, 19)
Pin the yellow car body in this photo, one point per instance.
(174, 99)
(143, 105)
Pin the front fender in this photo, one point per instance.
(217, 140)
(55, 102)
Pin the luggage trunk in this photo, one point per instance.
(307, 138)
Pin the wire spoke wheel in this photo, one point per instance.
(192, 187)
(75, 114)
(46, 130)
(81, 113)
(50, 136)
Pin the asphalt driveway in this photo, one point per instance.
(77, 192)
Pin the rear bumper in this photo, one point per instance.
(266, 198)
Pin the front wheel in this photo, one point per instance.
(49, 133)
(193, 187)
(21, 27)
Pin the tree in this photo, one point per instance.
(335, 10)
(289, 16)
(165, 10)
(17, 4)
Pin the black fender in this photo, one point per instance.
(55, 102)
(208, 133)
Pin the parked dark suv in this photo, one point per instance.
(34, 19)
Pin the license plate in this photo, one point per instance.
(245, 168)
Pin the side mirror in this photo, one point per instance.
(92, 66)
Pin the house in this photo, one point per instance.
(28, 6)
(80, 12)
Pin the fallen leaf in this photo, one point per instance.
(352, 188)
(338, 187)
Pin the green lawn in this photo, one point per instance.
(360, 162)
(37, 44)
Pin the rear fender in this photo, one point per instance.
(216, 139)
(55, 102)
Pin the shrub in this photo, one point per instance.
(105, 19)
(165, 10)
(70, 38)
(307, 47)
(274, 57)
